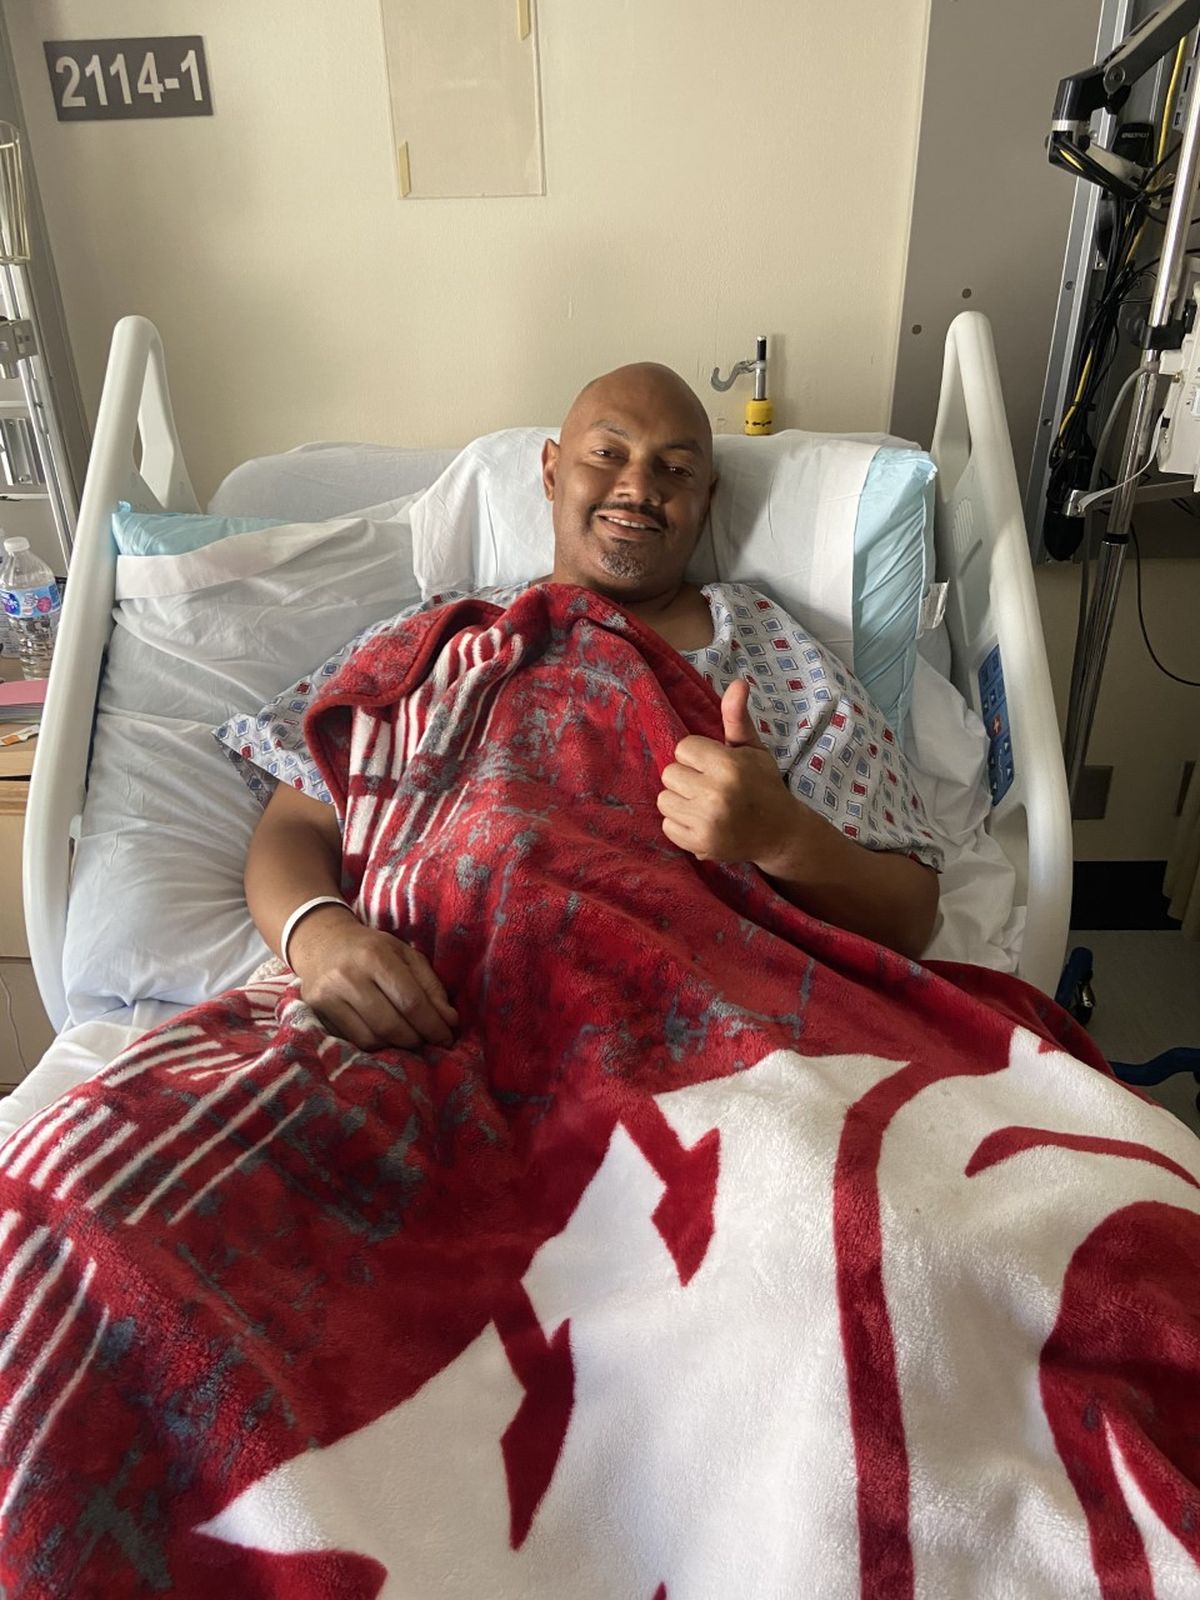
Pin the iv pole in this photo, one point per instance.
(1108, 85)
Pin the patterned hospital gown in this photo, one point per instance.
(831, 742)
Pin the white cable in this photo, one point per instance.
(1106, 434)
(1142, 471)
(1086, 542)
(300, 912)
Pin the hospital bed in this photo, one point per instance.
(990, 647)
(722, 1250)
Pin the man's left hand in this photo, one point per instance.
(728, 802)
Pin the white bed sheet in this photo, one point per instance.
(157, 908)
(77, 1054)
(947, 750)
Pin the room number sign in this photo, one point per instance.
(97, 80)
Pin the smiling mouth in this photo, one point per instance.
(627, 526)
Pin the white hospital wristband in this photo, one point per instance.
(301, 911)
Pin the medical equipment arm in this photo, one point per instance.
(1165, 28)
(1106, 87)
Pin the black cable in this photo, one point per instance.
(1072, 450)
(1159, 165)
(1101, 339)
(1167, 188)
(1096, 342)
(1188, 683)
(1072, 454)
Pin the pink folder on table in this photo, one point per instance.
(24, 692)
(22, 701)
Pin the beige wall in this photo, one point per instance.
(713, 172)
(990, 214)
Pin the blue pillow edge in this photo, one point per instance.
(127, 523)
(898, 490)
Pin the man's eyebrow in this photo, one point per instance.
(622, 433)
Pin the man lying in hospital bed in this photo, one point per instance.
(721, 1250)
(630, 483)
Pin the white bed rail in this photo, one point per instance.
(136, 456)
(983, 550)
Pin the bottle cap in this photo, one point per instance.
(15, 545)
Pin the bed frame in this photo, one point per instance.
(982, 553)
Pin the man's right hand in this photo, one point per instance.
(367, 986)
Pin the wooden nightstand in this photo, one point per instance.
(25, 1032)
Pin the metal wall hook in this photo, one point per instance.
(758, 367)
(718, 382)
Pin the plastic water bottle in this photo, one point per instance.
(32, 606)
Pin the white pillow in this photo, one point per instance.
(157, 909)
(321, 480)
(783, 517)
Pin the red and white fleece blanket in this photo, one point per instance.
(725, 1254)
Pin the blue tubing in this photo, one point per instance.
(1145, 1074)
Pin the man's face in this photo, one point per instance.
(630, 483)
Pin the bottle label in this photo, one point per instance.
(31, 602)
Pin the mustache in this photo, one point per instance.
(622, 508)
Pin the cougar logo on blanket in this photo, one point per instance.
(723, 1254)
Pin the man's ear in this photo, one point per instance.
(549, 467)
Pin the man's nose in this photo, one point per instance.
(636, 481)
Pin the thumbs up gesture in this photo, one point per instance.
(727, 802)
(740, 731)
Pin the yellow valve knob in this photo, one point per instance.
(760, 417)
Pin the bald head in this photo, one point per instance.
(652, 388)
(630, 481)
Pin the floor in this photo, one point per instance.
(1147, 988)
